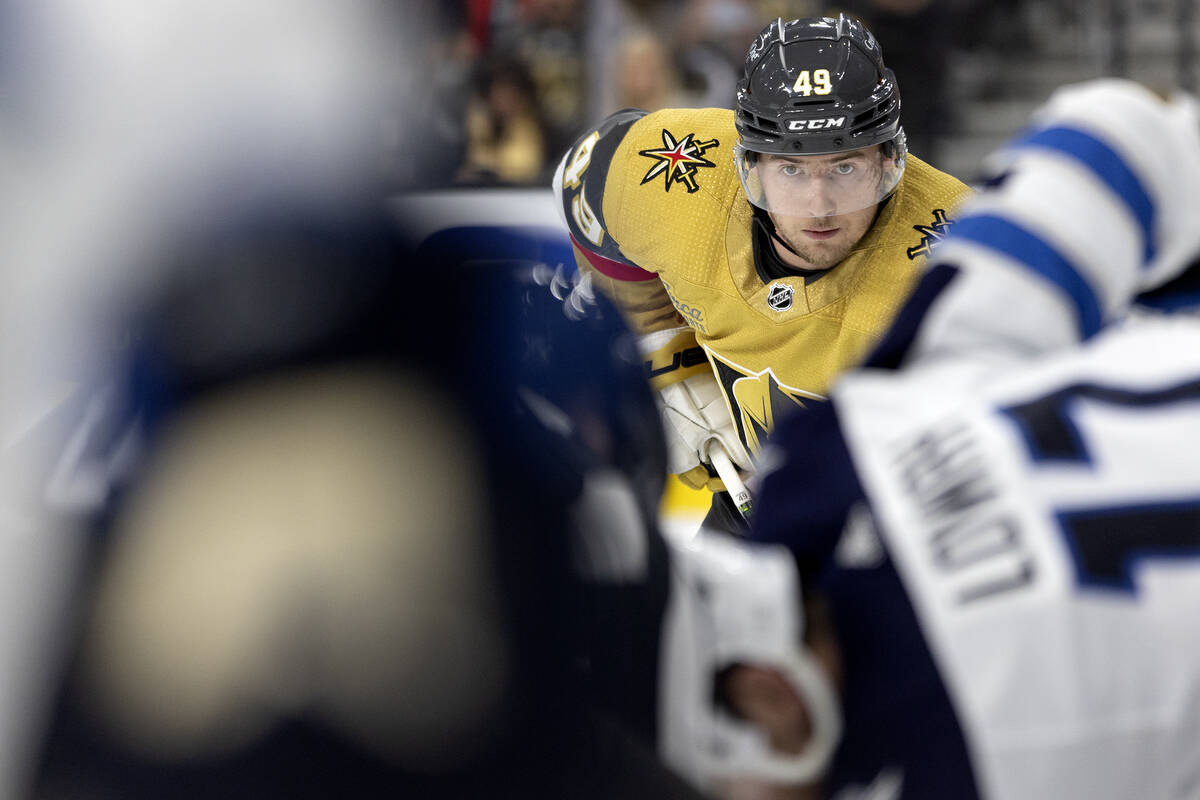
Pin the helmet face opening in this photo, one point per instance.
(821, 185)
(818, 87)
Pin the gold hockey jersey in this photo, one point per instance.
(659, 218)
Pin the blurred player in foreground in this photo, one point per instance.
(760, 250)
(348, 560)
(125, 126)
(1002, 514)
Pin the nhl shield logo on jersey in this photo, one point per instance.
(931, 234)
(779, 296)
(678, 160)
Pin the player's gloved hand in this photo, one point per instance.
(695, 415)
(736, 605)
(697, 419)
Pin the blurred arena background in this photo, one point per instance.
(531, 73)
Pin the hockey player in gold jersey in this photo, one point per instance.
(761, 251)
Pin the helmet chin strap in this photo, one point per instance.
(764, 221)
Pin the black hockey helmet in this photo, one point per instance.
(817, 86)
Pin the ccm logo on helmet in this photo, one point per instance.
(824, 124)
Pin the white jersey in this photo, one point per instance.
(1096, 203)
(1003, 509)
(1046, 528)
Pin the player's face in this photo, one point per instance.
(822, 205)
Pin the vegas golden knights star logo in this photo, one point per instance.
(757, 400)
(678, 161)
(931, 234)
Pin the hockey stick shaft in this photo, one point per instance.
(729, 476)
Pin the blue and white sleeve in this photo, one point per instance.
(1088, 207)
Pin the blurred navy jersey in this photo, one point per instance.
(391, 518)
(900, 728)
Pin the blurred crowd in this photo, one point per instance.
(517, 80)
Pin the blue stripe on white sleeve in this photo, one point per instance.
(1108, 167)
(1032, 251)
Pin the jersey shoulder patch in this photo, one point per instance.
(652, 190)
(927, 208)
(672, 187)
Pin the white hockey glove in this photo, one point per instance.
(735, 603)
(694, 412)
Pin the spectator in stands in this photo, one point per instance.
(644, 73)
(436, 95)
(711, 46)
(548, 36)
(506, 139)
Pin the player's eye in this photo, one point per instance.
(843, 168)
(791, 170)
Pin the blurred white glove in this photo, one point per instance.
(737, 603)
(694, 412)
